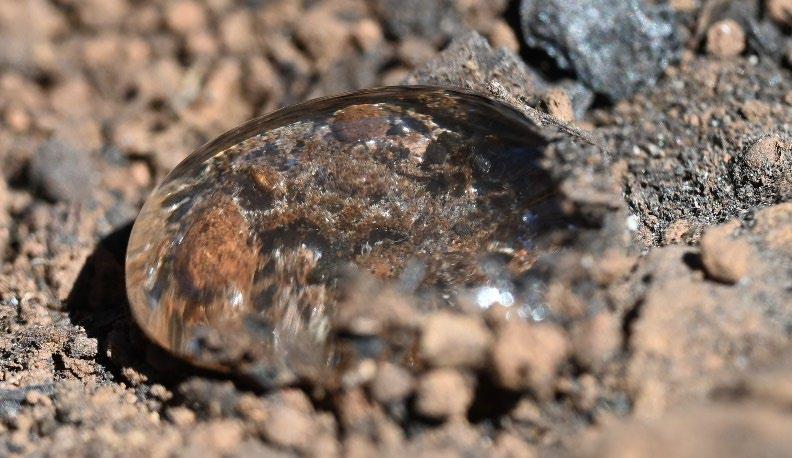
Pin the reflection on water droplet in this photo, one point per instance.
(539, 313)
(487, 296)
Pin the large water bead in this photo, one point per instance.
(237, 259)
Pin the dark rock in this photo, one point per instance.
(614, 46)
(63, 173)
(470, 62)
(435, 20)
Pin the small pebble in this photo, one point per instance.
(63, 173)
(443, 393)
(527, 356)
(725, 39)
(17, 119)
(766, 151)
(184, 16)
(289, 428)
(451, 339)
(780, 11)
(597, 339)
(391, 384)
(502, 35)
(559, 105)
(508, 445)
(725, 259)
(684, 6)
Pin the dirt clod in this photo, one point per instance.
(454, 340)
(528, 356)
(725, 260)
(443, 393)
(725, 39)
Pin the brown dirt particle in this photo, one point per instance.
(502, 35)
(780, 11)
(684, 6)
(391, 384)
(527, 356)
(613, 265)
(323, 35)
(17, 119)
(725, 259)
(451, 339)
(754, 110)
(415, 51)
(368, 35)
(559, 105)
(775, 226)
(184, 16)
(597, 339)
(237, 32)
(289, 428)
(680, 231)
(82, 346)
(443, 393)
(725, 39)
(766, 151)
(215, 438)
(510, 446)
(102, 13)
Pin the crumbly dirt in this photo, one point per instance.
(668, 313)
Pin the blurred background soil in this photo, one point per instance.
(669, 310)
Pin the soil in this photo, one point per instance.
(667, 301)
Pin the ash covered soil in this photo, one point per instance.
(669, 308)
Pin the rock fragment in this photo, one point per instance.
(434, 20)
(443, 393)
(725, 39)
(63, 173)
(450, 339)
(762, 172)
(725, 259)
(559, 105)
(470, 62)
(391, 384)
(614, 46)
(289, 427)
(185, 16)
(597, 339)
(527, 356)
(762, 36)
(780, 11)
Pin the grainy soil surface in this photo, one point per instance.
(668, 301)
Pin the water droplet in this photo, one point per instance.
(236, 259)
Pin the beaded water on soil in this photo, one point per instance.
(236, 259)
